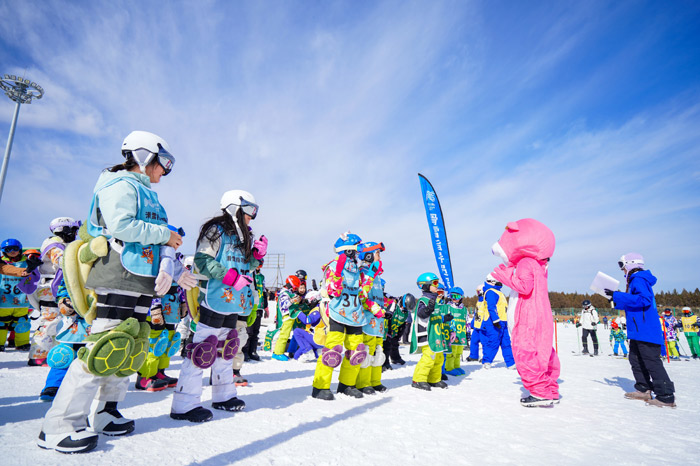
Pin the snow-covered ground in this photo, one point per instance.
(478, 420)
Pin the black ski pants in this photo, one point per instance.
(391, 347)
(594, 337)
(253, 333)
(648, 370)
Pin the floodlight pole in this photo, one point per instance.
(21, 91)
(8, 149)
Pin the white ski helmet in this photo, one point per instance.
(236, 199)
(61, 224)
(142, 146)
(491, 280)
(631, 261)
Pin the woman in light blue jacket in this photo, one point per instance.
(140, 264)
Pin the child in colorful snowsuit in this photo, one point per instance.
(126, 211)
(427, 335)
(475, 337)
(494, 328)
(525, 248)
(671, 324)
(644, 332)
(458, 332)
(63, 230)
(14, 305)
(369, 379)
(164, 341)
(304, 336)
(289, 305)
(589, 321)
(395, 329)
(619, 336)
(342, 279)
(227, 250)
(70, 336)
(691, 329)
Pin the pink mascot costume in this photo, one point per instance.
(525, 248)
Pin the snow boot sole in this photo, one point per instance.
(197, 414)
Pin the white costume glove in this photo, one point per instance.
(166, 271)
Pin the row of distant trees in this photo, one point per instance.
(672, 299)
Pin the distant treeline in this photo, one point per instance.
(672, 299)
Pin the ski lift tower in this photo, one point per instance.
(275, 261)
(21, 91)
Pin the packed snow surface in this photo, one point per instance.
(478, 420)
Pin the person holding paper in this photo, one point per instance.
(589, 321)
(644, 333)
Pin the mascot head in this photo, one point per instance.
(525, 238)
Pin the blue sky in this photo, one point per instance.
(583, 115)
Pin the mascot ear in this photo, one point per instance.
(512, 226)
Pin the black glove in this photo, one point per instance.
(431, 305)
(578, 325)
(594, 324)
(608, 294)
(497, 325)
(32, 263)
(447, 318)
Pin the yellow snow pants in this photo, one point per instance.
(429, 367)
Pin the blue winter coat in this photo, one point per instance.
(639, 304)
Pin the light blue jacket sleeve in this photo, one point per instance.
(118, 205)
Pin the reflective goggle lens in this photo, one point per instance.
(436, 282)
(10, 249)
(249, 208)
(166, 161)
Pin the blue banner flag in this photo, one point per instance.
(438, 235)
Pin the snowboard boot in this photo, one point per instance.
(246, 357)
(48, 394)
(443, 376)
(75, 442)
(534, 402)
(661, 404)
(595, 351)
(472, 359)
(386, 366)
(254, 355)
(637, 395)
(322, 394)
(368, 391)
(421, 385)
(440, 384)
(398, 361)
(280, 357)
(24, 347)
(238, 379)
(695, 356)
(107, 420)
(171, 381)
(349, 390)
(36, 362)
(2, 348)
(380, 388)
(150, 384)
(197, 414)
(232, 404)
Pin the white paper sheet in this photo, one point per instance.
(603, 281)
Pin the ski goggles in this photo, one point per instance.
(11, 249)
(249, 208)
(456, 297)
(165, 159)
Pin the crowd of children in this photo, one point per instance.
(114, 298)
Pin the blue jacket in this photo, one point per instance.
(639, 304)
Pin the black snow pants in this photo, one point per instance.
(648, 370)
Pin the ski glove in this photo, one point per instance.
(609, 294)
(497, 324)
(260, 247)
(236, 280)
(377, 311)
(431, 305)
(375, 269)
(447, 318)
(166, 270)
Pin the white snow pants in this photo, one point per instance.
(241, 328)
(70, 408)
(188, 394)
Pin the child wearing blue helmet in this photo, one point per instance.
(458, 331)
(427, 335)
